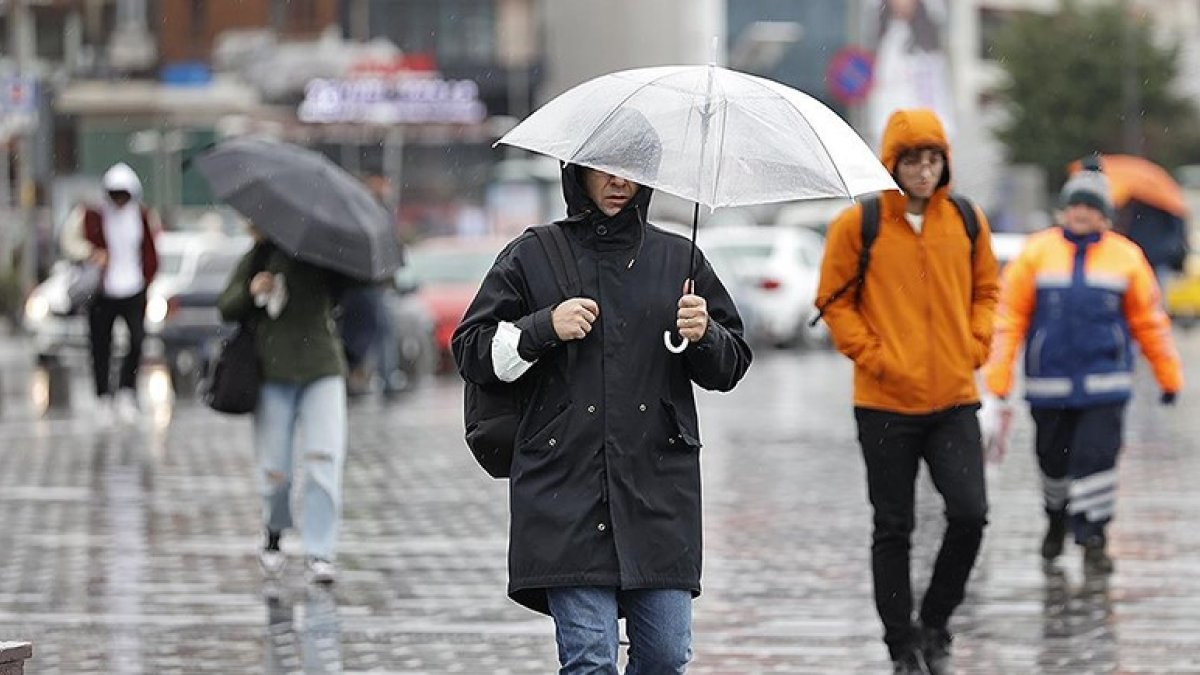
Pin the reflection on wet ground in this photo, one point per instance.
(132, 550)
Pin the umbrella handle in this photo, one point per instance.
(673, 348)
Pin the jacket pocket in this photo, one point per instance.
(548, 435)
(680, 433)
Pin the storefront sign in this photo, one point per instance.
(403, 100)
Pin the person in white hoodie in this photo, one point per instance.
(118, 236)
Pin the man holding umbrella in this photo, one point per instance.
(605, 479)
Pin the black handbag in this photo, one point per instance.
(236, 376)
(235, 379)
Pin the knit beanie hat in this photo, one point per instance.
(1089, 187)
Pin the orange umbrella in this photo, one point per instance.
(1138, 178)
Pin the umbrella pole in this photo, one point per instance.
(692, 258)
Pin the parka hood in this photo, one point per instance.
(120, 177)
(910, 129)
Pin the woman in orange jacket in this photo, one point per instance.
(1078, 295)
(917, 324)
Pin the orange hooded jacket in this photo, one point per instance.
(924, 321)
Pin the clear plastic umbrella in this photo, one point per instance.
(715, 136)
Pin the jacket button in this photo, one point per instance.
(592, 409)
(671, 441)
(602, 527)
(602, 230)
(553, 442)
(642, 407)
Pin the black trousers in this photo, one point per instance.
(893, 445)
(102, 316)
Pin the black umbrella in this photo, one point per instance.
(304, 203)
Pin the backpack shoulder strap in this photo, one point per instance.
(870, 230)
(970, 219)
(558, 251)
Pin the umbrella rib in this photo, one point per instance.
(613, 111)
(829, 155)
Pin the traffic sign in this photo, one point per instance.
(849, 75)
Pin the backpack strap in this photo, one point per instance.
(869, 224)
(966, 210)
(566, 272)
(562, 259)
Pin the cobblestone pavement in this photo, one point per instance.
(132, 551)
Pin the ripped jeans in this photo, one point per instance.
(310, 417)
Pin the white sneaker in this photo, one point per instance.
(126, 407)
(272, 563)
(321, 571)
(102, 414)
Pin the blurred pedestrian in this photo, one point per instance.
(302, 400)
(1078, 295)
(917, 325)
(605, 480)
(118, 237)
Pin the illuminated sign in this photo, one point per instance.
(402, 100)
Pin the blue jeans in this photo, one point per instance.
(658, 621)
(315, 414)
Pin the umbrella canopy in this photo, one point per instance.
(1137, 178)
(711, 135)
(306, 204)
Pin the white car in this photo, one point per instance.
(778, 269)
(62, 334)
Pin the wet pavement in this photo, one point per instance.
(132, 550)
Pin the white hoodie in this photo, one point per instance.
(123, 232)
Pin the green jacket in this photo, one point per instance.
(302, 343)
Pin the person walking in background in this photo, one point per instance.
(917, 325)
(605, 479)
(1078, 295)
(303, 398)
(118, 237)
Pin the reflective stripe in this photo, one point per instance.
(1053, 281)
(1048, 386)
(1055, 491)
(1100, 514)
(1107, 383)
(1108, 282)
(1100, 480)
(1095, 501)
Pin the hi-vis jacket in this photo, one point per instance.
(1080, 301)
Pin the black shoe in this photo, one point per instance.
(910, 663)
(1096, 560)
(1056, 532)
(935, 647)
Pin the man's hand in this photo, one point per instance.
(1168, 398)
(99, 257)
(573, 318)
(262, 283)
(692, 318)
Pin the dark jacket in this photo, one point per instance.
(1162, 236)
(605, 485)
(300, 345)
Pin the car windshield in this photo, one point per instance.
(213, 271)
(446, 267)
(170, 263)
(744, 252)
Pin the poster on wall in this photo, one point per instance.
(911, 68)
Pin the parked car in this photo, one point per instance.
(778, 269)
(446, 273)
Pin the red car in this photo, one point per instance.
(446, 273)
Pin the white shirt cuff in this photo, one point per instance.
(506, 361)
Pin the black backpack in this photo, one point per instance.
(870, 230)
(492, 413)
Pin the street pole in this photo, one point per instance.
(21, 41)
